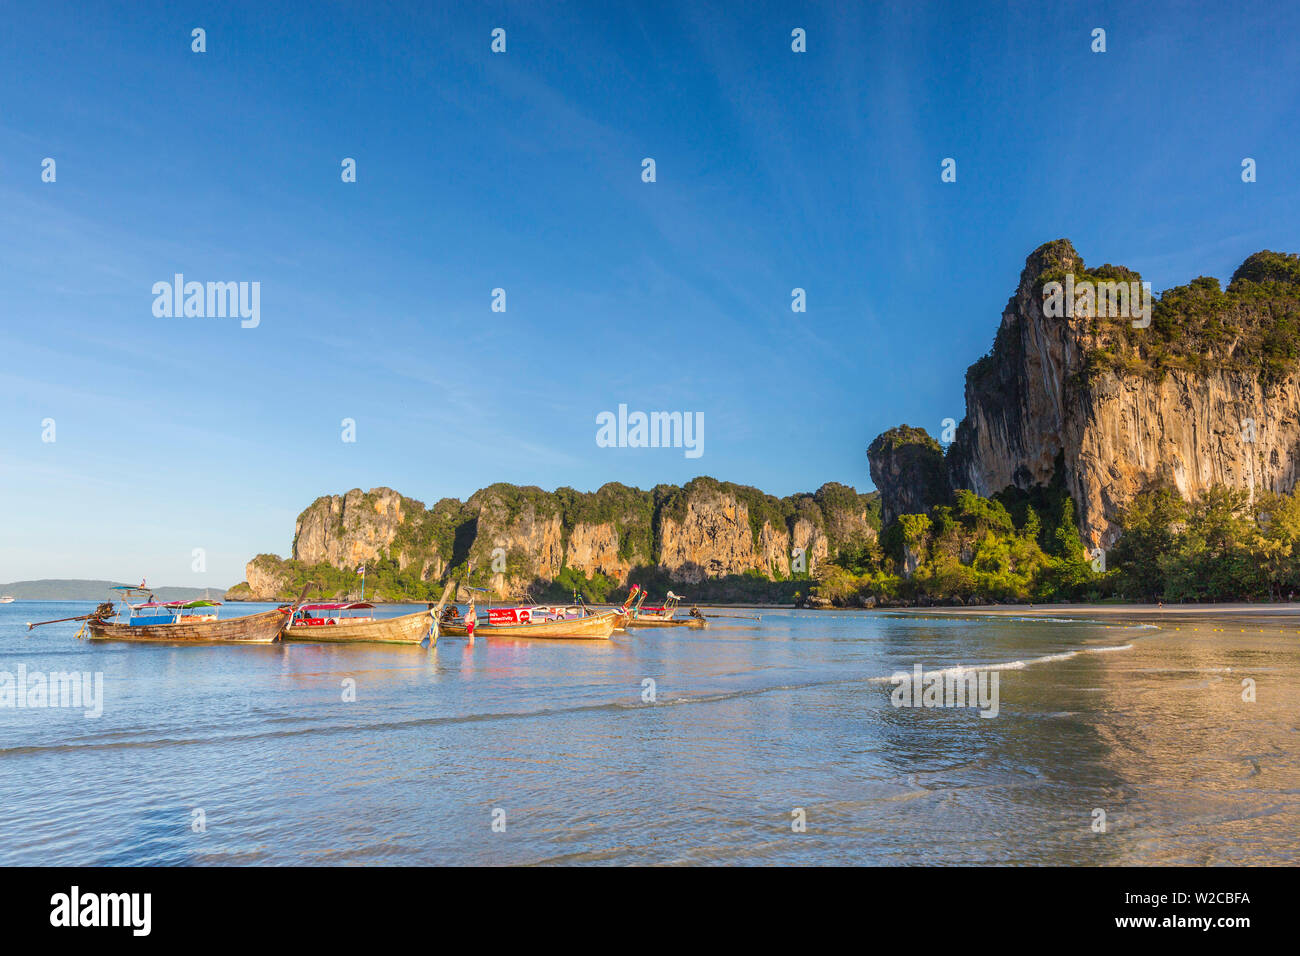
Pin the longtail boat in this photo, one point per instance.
(338, 622)
(261, 628)
(524, 622)
(181, 622)
(176, 622)
(332, 623)
(664, 616)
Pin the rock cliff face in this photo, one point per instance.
(812, 541)
(713, 537)
(519, 536)
(1189, 431)
(1205, 393)
(515, 537)
(267, 579)
(348, 529)
(594, 549)
(908, 469)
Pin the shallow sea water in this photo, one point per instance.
(751, 722)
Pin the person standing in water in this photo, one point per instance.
(471, 619)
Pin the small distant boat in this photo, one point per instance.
(7, 599)
(664, 616)
(340, 622)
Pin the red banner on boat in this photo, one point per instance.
(510, 615)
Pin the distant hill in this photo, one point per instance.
(60, 589)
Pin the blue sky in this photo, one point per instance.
(522, 171)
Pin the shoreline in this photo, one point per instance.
(1283, 616)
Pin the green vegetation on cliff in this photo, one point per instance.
(902, 436)
(909, 468)
(429, 532)
(631, 510)
(971, 550)
(385, 582)
(1252, 326)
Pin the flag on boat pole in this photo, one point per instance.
(362, 571)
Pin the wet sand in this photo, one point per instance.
(1238, 618)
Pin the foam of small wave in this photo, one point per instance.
(1014, 665)
(1136, 626)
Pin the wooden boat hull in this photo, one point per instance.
(596, 627)
(407, 629)
(674, 622)
(262, 628)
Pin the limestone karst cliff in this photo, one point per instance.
(908, 469)
(510, 538)
(1202, 390)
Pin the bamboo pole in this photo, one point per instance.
(104, 610)
(437, 613)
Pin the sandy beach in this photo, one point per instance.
(1243, 618)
